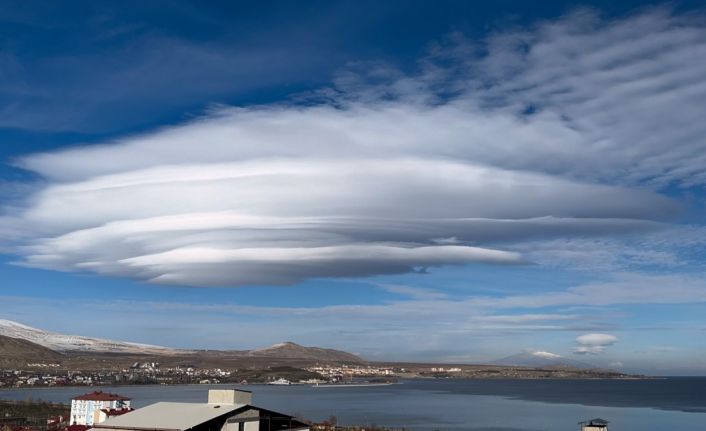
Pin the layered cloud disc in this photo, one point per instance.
(280, 220)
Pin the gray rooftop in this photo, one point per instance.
(169, 416)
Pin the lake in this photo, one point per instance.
(445, 404)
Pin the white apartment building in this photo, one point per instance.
(96, 407)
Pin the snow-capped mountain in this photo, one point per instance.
(538, 358)
(64, 343)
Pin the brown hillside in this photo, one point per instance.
(295, 351)
(18, 351)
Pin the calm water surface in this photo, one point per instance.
(498, 405)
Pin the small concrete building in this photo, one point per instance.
(226, 410)
(95, 407)
(596, 424)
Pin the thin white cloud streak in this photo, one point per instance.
(624, 288)
(509, 309)
(550, 133)
(148, 76)
(444, 326)
(413, 292)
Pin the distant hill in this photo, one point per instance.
(540, 359)
(74, 345)
(68, 343)
(15, 350)
(295, 351)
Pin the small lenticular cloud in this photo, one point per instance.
(594, 344)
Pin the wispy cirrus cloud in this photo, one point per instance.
(413, 291)
(123, 72)
(620, 288)
(565, 129)
(423, 310)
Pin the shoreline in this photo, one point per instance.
(354, 385)
(12, 388)
(530, 391)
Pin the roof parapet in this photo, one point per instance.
(229, 396)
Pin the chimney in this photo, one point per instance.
(229, 396)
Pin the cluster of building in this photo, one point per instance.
(138, 373)
(23, 378)
(43, 365)
(154, 373)
(445, 370)
(337, 372)
(20, 378)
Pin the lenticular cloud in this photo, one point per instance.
(361, 186)
(594, 344)
(282, 220)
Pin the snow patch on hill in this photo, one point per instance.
(540, 358)
(274, 347)
(64, 343)
(546, 355)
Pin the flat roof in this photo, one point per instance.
(101, 396)
(596, 421)
(169, 416)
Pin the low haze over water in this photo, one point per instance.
(498, 405)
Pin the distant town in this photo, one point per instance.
(152, 373)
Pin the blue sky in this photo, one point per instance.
(442, 181)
